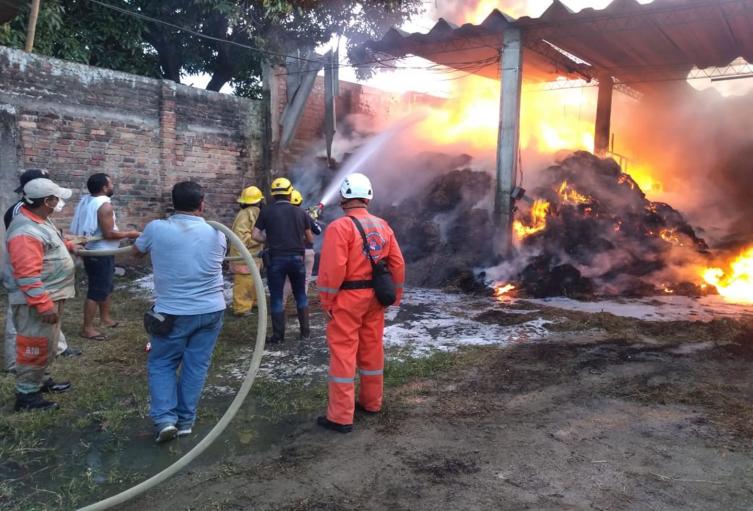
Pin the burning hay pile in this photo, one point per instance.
(591, 230)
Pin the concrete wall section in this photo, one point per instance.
(76, 120)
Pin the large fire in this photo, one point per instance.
(550, 120)
(536, 223)
(736, 283)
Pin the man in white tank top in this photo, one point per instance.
(95, 217)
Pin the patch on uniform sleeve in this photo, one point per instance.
(31, 351)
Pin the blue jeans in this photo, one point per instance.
(280, 268)
(188, 346)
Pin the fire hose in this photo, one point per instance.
(232, 410)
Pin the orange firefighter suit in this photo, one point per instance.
(354, 332)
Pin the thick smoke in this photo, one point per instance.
(699, 145)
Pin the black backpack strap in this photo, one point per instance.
(366, 247)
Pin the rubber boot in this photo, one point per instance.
(278, 328)
(303, 321)
(33, 401)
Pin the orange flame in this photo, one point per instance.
(735, 284)
(501, 290)
(671, 236)
(538, 213)
(570, 195)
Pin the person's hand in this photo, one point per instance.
(78, 247)
(133, 234)
(328, 312)
(50, 317)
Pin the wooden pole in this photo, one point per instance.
(31, 29)
(602, 127)
(511, 75)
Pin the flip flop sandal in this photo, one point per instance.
(100, 337)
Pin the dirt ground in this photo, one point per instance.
(659, 419)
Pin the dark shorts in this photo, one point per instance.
(99, 273)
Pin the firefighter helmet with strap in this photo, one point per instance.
(356, 186)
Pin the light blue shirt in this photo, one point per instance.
(187, 256)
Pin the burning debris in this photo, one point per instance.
(592, 231)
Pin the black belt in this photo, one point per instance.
(357, 284)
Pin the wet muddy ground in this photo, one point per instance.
(489, 405)
(574, 423)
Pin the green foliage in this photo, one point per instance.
(82, 31)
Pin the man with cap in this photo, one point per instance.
(286, 230)
(39, 275)
(10, 329)
(244, 291)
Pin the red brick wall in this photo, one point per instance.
(76, 120)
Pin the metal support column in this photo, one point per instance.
(511, 74)
(603, 115)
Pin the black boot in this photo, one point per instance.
(49, 385)
(33, 401)
(278, 328)
(303, 321)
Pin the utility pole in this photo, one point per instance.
(31, 29)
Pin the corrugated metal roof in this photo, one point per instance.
(636, 43)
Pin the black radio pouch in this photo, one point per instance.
(381, 278)
(158, 323)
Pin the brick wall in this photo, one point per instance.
(148, 134)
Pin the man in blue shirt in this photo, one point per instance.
(187, 256)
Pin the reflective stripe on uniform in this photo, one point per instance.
(36, 291)
(329, 290)
(339, 379)
(28, 281)
(371, 372)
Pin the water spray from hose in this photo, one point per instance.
(365, 153)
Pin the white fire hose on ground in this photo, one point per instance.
(261, 332)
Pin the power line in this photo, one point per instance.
(197, 34)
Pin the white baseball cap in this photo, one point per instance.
(41, 187)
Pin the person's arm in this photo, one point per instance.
(26, 256)
(143, 244)
(309, 236)
(314, 226)
(243, 227)
(332, 265)
(258, 235)
(396, 264)
(106, 219)
(260, 227)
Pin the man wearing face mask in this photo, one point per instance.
(39, 275)
(95, 217)
(10, 330)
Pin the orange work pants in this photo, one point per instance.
(354, 337)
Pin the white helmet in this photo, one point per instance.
(356, 186)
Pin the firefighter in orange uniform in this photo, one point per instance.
(354, 332)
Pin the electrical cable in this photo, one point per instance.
(261, 331)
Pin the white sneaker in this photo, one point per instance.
(184, 431)
(166, 434)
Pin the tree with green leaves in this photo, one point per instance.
(92, 32)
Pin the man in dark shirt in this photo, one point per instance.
(285, 229)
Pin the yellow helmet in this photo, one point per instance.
(281, 186)
(251, 195)
(296, 198)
